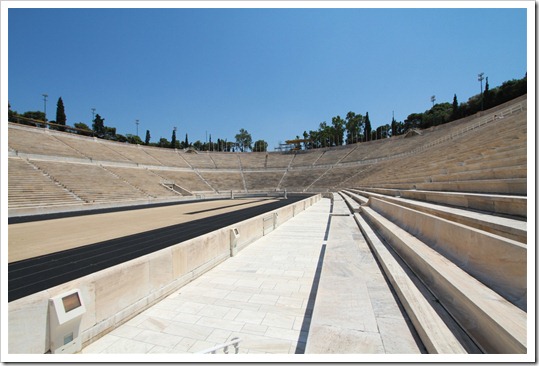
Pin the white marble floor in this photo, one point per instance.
(266, 295)
(260, 295)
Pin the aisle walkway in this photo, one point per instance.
(265, 295)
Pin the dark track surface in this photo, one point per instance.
(32, 275)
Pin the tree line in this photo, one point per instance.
(353, 128)
(243, 139)
(358, 128)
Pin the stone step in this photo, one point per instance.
(506, 227)
(516, 186)
(437, 329)
(514, 206)
(495, 325)
(499, 263)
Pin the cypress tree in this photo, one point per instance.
(368, 128)
(455, 113)
(60, 114)
(147, 139)
(173, 139)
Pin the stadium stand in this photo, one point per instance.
(90, 182)
(167, 157)
(444, 210)
(28, 186)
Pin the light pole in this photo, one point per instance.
(433, 99)
(480, 79)
(45, 105)
(136, 122)
(93, 115)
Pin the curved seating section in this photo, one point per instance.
(93, 149)
(278, 160)
(144, 180)
(263, 180)
(199, 160)
(90, 182)
(39, 142)
(254, 160)
(224, 180)
(490, 159)
(167, 157)
(225, 160)
(28, 187)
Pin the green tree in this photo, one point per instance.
(36, 115)
(173, 139)
(60, 114)
(11, 115)
(381, 132)
(147, 139)
(244, 140)
(121, 138)
(487, 96)
(354, 124)
(163, 142)
(368, 128)
(99, 125)
(133, 139)
(413, 120)
(229, 146)
(439, 114)
(338, 130)
(110, 133)
(260, 145)
(198, 145)
(455, 108)
(87, 131)
(186, 141)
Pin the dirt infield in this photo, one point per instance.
(32, 239)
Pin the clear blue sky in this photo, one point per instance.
(274, 72)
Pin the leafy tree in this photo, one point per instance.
(12, 115)
(60, 114)
(121, 138)
(84, 127)
(147, 139)
(260, 145)
(440, 113)
(133, 139)
(338, 130)
(229, 146)
(36, 115)
(414, 120)
(163, 142)
(399, 129)
(198, 145)
(244, 140)
(354, 123)
(110, 133)
(381, 132)
(99, 125)
(368, 128)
